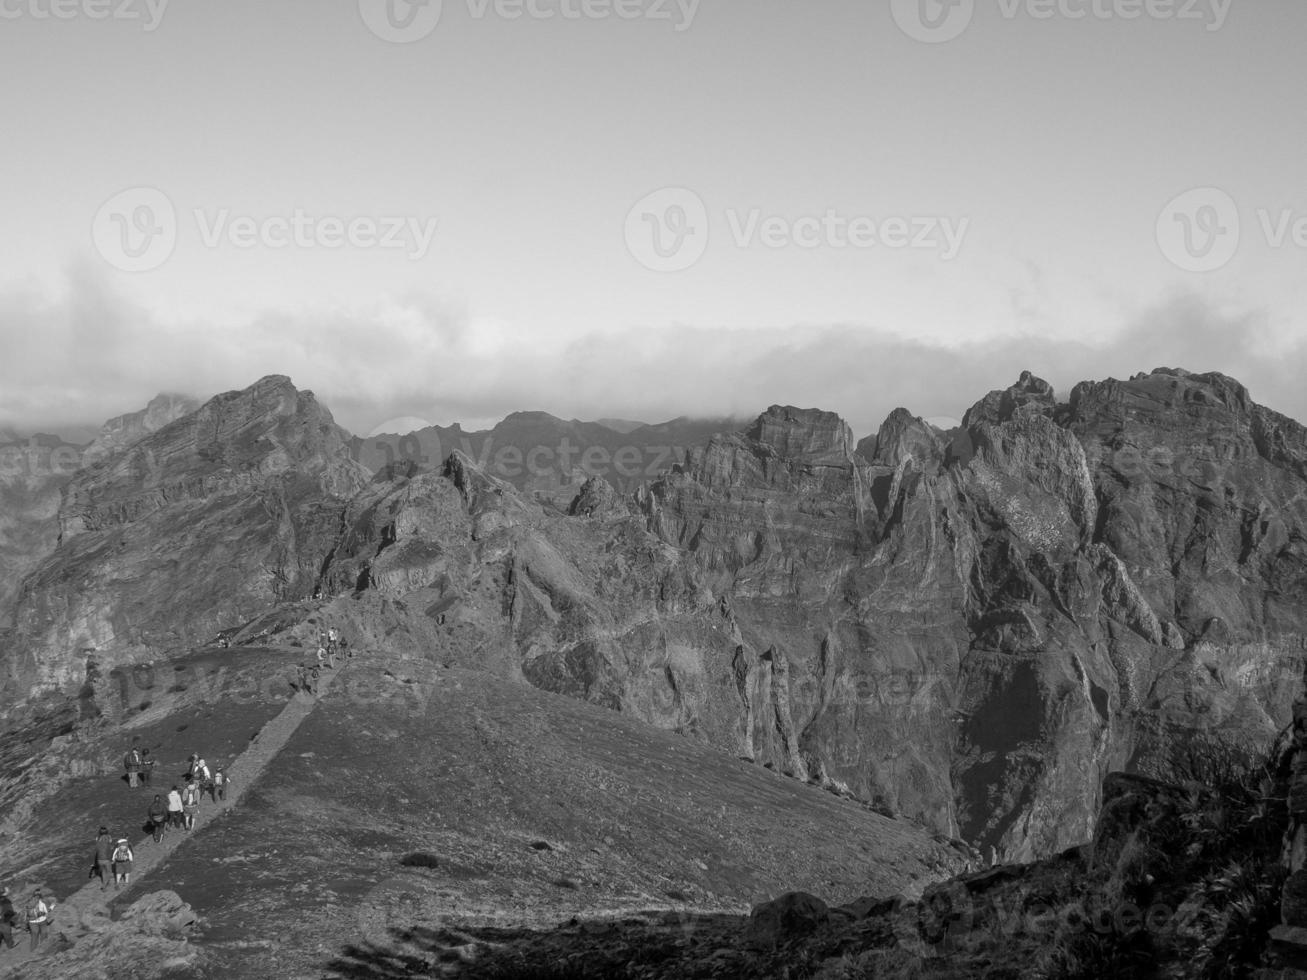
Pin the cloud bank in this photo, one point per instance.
(90, 354)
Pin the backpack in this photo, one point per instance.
(122, 853)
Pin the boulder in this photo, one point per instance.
(161, 913)
(793, 915)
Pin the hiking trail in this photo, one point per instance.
(244, 770)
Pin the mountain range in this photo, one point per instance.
(959, 632)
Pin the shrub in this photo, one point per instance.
(419, 859)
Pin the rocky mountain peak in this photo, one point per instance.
(802, 431)
(1029, 396)
(901, 436)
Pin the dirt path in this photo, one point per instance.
(244, 771)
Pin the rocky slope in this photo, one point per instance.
(413, 796)
(968, 628)
(202, 525)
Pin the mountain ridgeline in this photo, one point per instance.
(969, 629)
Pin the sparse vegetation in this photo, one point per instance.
(419, 859)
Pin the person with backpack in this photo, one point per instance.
(158, 818)
(175, 809)
(220, 781)
(122, 863)
(103, 857)
(190, 803)
(38, 916)
(315, 681)
(147, 768)
(132, 763)
(8, 919)
(204, 778)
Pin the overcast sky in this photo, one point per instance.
(452, 212)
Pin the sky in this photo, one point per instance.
(644, 209)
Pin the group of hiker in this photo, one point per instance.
(36, 918)
(175, 810)
(178, 808)
(329, 645)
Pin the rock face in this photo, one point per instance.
(976, 633)
(970, 628)
(200, 526)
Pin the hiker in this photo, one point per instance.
(220, 781)
(333, 645)
(315, 681)
(122, 863)
(158, 818)
(147, 768)
(190, 803)
(103, 857)
(200, 773)
(8, 919)
(302, 678)
(132, 763)
(322, 658)
(38, 915)
(175, 807)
